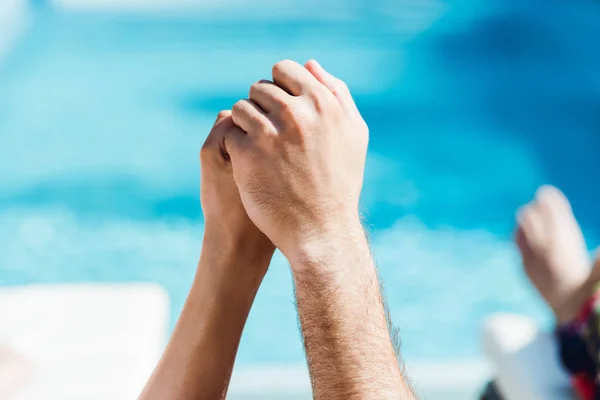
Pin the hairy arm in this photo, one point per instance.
(298, 159)
(349, 348)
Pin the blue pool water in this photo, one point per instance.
(471, 107)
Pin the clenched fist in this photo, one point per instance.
(298, 153)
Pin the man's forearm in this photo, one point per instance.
(344, 323)
(298, 156)
(199, 359)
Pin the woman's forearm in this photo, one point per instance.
(199, 359)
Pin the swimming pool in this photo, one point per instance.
(470, 108)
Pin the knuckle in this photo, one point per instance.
(341, 85)
(281, 66)
(322, 98)
(292, 116)
(267, 129)
(286, 108)
(282, 103)
(301, 116)
(223, 114)
(365, 127)
(255, 88)
(238, 107)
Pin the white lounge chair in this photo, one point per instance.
(525, 360)
(84, 341)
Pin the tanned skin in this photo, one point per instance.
(199, 359)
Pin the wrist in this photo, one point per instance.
(226, 246)
(326, 247)
(236, 264)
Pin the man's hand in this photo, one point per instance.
(298, 158)
(199, 359)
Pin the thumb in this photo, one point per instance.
(335, 85)
(224, 138)
(215, 137)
